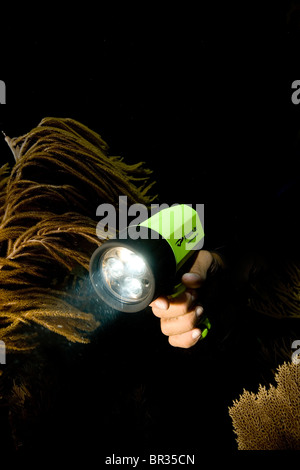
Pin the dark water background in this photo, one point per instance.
(204, 98)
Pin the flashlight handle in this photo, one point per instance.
(177, 290)
(204, 323)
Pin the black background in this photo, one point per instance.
(203, 96)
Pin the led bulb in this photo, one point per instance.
(136, 265)
(114, 268)
(131, 288)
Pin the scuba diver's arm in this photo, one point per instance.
(180, 317)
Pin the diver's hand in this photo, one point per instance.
(179, 316)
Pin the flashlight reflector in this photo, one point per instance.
(124, 275)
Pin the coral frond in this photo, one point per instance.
(270, 419)
(48, 227)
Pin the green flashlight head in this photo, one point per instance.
(129, 272)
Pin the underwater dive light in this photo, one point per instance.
(129, 272)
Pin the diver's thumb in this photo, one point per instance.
(198, 271)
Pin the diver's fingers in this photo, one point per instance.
(163, 308)
(185, 340)
(181, 324)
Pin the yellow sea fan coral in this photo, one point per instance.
(270, 419)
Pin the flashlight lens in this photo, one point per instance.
(125, 274)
